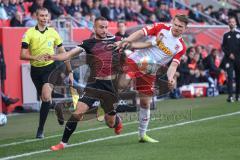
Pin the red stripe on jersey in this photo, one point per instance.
(155, 29)
(178, 56)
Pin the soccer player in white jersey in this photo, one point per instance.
(168, 45)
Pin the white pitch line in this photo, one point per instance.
(122, 135)
(58, 135)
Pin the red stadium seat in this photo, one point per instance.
(112, 24)
(4, 23)
(131, 23)
(173, 11)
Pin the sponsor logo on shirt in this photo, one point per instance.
(165, 49)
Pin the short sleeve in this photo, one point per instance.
(178, 56)
(27, 37)
(58, 40)
(154, 29)
(83, 45)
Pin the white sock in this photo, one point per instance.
(144, 117)
(64, 144)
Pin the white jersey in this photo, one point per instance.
(170, 47)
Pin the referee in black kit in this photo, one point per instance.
(36, 42)
(231, 61)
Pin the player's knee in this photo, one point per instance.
(78, 117)
(145, 104)
(46, 97)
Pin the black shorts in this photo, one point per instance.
(40, 76)
(102, 90)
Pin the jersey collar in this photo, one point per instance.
(170, 32)
(36, 27)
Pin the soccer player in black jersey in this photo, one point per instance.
(104, 74)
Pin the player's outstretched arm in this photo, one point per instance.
(139, 45)
(133, 37)
(67, 55)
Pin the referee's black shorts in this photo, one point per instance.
(40, 76)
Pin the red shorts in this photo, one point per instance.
(144, 82)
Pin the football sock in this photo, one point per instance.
(144, 116)
(69, 128)
(43, 114)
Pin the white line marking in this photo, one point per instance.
(58, 135)
(122, 135)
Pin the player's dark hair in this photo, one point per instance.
(100, 19)
(183, 18)
(121, 21)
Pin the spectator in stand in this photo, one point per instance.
(17, 20)
(137, 16)
(31, 21)
(105, 10)
(10, 8)
(152, 19)
(115, 12)
(192, 65)
(86, 5)
(54, 8)
(36, 4)
(121, 29)
(202, 51)
(163, 13)
(195, 13)
(95, 9)
(63, 6)
(75, 7)
(211, 66)
(209, 10)
(3, 13)
(128, 10)
(223, 15)
(66, 4)
(183, 72)
(146, 9)
(20, 7)
(119, 9)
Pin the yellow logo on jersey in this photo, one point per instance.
(165, 49)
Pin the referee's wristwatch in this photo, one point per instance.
(70, 72)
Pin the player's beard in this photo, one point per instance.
(99, 36)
